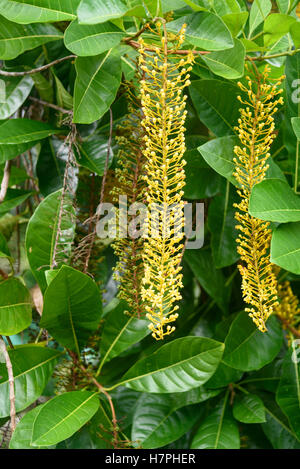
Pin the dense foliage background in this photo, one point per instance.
(97, 379)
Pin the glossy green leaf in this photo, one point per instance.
(10, 151)
(62, 416)
(201, 180)
(274, 200)
(235, 22)
(218, 431)
(223, 376)
(32, 368)
(295, 34)
(246, 348)
(221, 224)
(216, 104)
(21, 438)
(51, 165)
(276, 25)
(181, 365)
(72, 308)
(13, 198)
(204, 30)
(288, 391)
(92, 155)
(16, 39)
(100, 11)
(17, 90)
(40, 235)
(38, 11)
(285, 248)
(249, 408)
(120, 331)
(97, 82)
(19, 131)
(85, 40)
(227, 63)
(156, 423)
(259, 11)
(211, 279)
(15, 307)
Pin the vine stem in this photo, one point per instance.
(11, 382)
(52, 106)
(4, 73)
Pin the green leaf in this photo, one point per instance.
(8, 152)
(259, 11)
(92, 154)
(285, 248)
(223, 376)
(97, 82)
(100, 11)
(295, 34)
(72, 308)
(156, 423)
(244, 341)
(201, 180)
(218, 431)
(181, 365)
(249, 409)
(38, 11)
(227, 63)
(15, 307)
(221, 224)
(296, 126)
(51, 165)
(17, 90)
(204, 30)
(63, 97)
(274, 200)
(85, 40)
(62, 416)
(41, 235)
(21, 438)
(288, 391)
(32, 368)
(276, 25)
(19, 131)
(13, 198)
(235, 22)
(121, 331)
(16, 39)
(216, 104)
(211, 279)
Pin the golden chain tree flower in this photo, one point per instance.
(129, 269)
(165, 75)
(256, 134)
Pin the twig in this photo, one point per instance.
(9, 341)
(36, 70)
(11, 384)
(53, 106)
(5, 181)
(272, 56)
(290, 328)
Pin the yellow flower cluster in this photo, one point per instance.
(256, 134)
(129, 269)
(288, 309)
(164, 77)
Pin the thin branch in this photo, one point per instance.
(292, 329)
(5, 181)
(11, 382)
(53, 106)
(260, 58)
(36, 70)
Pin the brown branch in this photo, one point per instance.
(53, 106)
(11, 384)
(5, 181)
(290, 328)
(36, 70)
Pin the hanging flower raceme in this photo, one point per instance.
(256, 134)
(288, 309)
(165, 75)
(130, 186)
